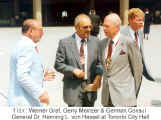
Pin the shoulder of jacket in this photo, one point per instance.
(126, 39)
(66, 39)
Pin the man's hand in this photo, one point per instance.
(95, 85)
(90, 88)
(49, 75)
(44, 98)
(78, 73)
(97, 81)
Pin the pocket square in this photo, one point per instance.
(122, 52)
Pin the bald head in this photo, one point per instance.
(114, 18)
(111, 25)
(30, 23)
(32, 29)
(80, 18)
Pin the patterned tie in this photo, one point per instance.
(136, 37)
(82, 53)
(108, 59)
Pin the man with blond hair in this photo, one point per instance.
(134, 31)
(122, 66)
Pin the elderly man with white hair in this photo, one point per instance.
(122, 66)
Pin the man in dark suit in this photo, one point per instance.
(147, 22)
(95, 22)
(77, 58)
(133, 30)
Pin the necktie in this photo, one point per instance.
(36, 48)
(109, 49)
(136, 37)
(82, 53)
(108, 59)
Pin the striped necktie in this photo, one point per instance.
(82, 57)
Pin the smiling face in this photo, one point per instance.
(83, 27)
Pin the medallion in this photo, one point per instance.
(108, 63)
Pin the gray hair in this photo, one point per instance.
(79, 17)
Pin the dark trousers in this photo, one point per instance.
(86, 99)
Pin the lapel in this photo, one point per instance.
(89, 48)
(104, 46)
(74, 49)
(128, 32)
(118, 48)
(140, 37)
(141, 41)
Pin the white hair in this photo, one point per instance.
(115, 18)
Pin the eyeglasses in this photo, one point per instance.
(86, 27)
(105, 26)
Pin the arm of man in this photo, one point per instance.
(98, 73)
(99, 69)
(135, 60)
(24, 69)
(60, 63)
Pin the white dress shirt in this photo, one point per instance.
(114, 45)
(132, 32)
(78, 40)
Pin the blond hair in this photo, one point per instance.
(135, 12)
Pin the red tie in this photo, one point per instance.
(36, 49)
(82, 53)
(109, 49)
(136, 37)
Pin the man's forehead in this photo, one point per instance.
(138, 17)
(107, 20)
(83, 22)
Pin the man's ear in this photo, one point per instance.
(30, 32)
(129, 20)
(77, 27)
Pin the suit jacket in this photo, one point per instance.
(68, 58)
(26, 75)
(146, 71)
(122, 81)
(147, 22)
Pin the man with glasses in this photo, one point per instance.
(77, 58)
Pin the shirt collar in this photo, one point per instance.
(116, 38)
(29, 40)
(132, 32)
(78, 38)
